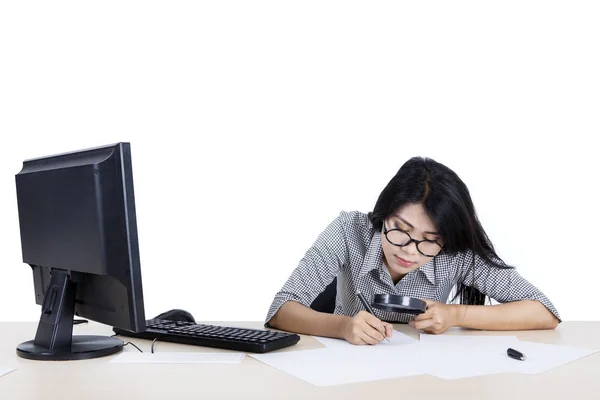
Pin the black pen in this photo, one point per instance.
(517, 355)
(368, 307)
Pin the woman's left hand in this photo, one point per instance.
(436, 319)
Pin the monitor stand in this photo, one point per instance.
(54, 339)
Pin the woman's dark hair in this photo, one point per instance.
(447, 202)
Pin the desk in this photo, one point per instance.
(99, 379)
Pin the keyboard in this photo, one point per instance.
(224, 337)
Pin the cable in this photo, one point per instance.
(151, 347)
(133, 346)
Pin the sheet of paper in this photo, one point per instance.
(455, 357)
(398, 338)
(462, 360)
(540, 357)
(462, 356)
(344, 364)
(444, 356)
(4, 371)
(466, 339)
(178, 358)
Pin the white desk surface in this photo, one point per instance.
(251, 379)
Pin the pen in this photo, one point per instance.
(517, 355)
(368, 307)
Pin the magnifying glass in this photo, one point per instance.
(396, 303)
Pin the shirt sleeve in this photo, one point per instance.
(319, 266)
(501, 284)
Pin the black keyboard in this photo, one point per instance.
(224, 337)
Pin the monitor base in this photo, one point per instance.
(83, 347)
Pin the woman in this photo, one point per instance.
(423, 240)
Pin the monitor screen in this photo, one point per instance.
(79, 236)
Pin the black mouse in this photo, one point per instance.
(176, 315)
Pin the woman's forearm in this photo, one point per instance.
(295, 317)
(518, 315)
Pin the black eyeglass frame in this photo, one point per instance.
(411, 240)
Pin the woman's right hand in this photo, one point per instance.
(365, 328)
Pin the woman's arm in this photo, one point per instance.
(295, 317)
(514, 316)
(519, 298)
(523, 306)
(363, 328)
(321, 263)
(518, 315)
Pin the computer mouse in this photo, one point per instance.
(176, 315)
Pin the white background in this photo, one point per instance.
(253, 124)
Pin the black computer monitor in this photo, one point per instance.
(79, 235)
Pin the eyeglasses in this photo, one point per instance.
(400, 238)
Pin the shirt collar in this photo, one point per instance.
(429, 271)
(374, 260)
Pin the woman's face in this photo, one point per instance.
(413, 220)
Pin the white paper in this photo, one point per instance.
(461, 356)
(344, 364)
(466, 339)
(463, 360)
(445, 356)
(398, 338)
(455, 357)
(178, 358)
(540, 357)
(4, 371)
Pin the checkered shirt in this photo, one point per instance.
(350, 249)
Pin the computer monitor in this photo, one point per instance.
(79, 235)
